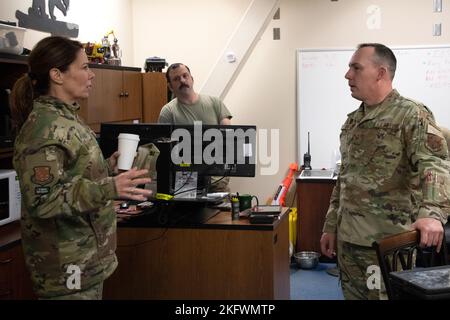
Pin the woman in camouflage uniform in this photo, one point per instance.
(68, 220)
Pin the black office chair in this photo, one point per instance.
(397, 252)
(447, 239)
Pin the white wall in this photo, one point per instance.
(195, 32)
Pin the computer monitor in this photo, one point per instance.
(203, 150)
(215, 150)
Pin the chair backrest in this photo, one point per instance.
(398, 252)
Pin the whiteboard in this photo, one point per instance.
(324, 99)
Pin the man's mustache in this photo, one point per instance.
(183, 86)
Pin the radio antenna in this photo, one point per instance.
(308, 144)
(307, 158)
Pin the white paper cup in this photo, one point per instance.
(128, 144)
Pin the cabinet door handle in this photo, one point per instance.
(121, 95)
(126, 94)
(6, 261)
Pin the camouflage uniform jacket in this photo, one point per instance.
(395, 169)
(67, 209)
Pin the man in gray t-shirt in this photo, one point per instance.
(189, 106)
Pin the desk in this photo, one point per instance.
(219, 259)
(313, 200)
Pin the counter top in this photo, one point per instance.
(10, 233)
(13, 58)
(112, 67)
(186, 218)
(223, 221)
(312, 180)
(22, 59)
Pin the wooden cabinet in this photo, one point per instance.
(115, 97)
(6, 278)
(119, 94)
(12, 67)
(221, 259)
(15, 282)
(313, 200)
(155, 93)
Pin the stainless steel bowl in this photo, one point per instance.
(307, 259)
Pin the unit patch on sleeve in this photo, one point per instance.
(42, 176)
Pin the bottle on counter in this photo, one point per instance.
(234, 208)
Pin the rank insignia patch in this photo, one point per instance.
(434, 142)
(42, 176)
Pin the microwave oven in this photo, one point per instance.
(10, 197)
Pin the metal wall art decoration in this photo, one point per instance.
(38, 19)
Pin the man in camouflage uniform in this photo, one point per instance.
(394, 175)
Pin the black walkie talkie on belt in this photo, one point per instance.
(307, 158)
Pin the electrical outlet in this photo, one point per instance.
(437, 29)
(276, 34)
